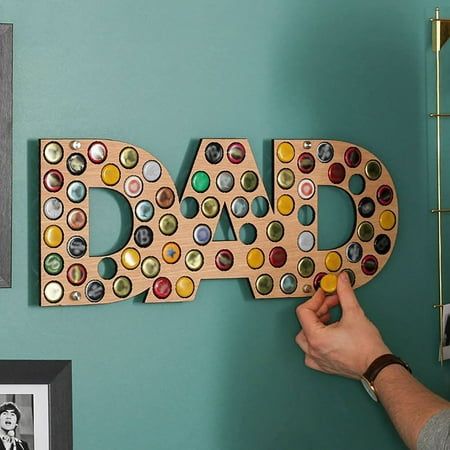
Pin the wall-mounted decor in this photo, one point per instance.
(6, 49)
(440, 32)
(171, 247)
(35, 405)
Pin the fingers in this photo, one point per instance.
(310, 321)
(330, 302)
(303, 344)
(315, 302)
(309, 362)
(325, 318)
(347, 297)
(323, 312)
(307, 312)
(301, 341)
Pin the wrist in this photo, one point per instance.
(373, 375)
(373, 354)
(389, 373)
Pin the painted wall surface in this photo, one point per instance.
(223, 372)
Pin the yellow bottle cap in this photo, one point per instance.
(130, 258)
(110, 174)
(387, 220)
(333, 261)
(53, 236)
(329, 283)
(285, 152)
(255, 258)
(285, 204)
(184, 287)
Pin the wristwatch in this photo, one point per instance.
(375, 368)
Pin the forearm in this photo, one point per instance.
(408, 403)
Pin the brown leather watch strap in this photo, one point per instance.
(380, 363)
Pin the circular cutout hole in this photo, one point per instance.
(107, 268)
(189, 207)
(306, 215)
(356, 184)
(247, 234)
(260, 206)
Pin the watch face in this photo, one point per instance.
(369, 388)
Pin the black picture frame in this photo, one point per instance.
(57, 375)
(6, 103)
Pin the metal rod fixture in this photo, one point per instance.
(440, 35)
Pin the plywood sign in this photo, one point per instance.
(171, 247)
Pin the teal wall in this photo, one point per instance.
(223, 372)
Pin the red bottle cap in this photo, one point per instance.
(278, 257)
(224, 260)
(162, 287)
(336, 173)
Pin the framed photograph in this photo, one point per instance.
(446, 334)
(35, 405)
(6, 102)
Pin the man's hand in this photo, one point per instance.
(346, 347)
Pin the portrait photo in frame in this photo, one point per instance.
(36, 404)
(6, 102)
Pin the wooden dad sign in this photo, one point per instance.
(171, 247)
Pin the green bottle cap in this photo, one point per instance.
(53, 264)
(200, 181)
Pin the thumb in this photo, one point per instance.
(347, 297)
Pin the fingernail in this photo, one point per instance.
(344, 277)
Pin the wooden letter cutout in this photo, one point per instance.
(168, 254)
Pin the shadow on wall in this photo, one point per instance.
(33, 215)
(341, 75)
